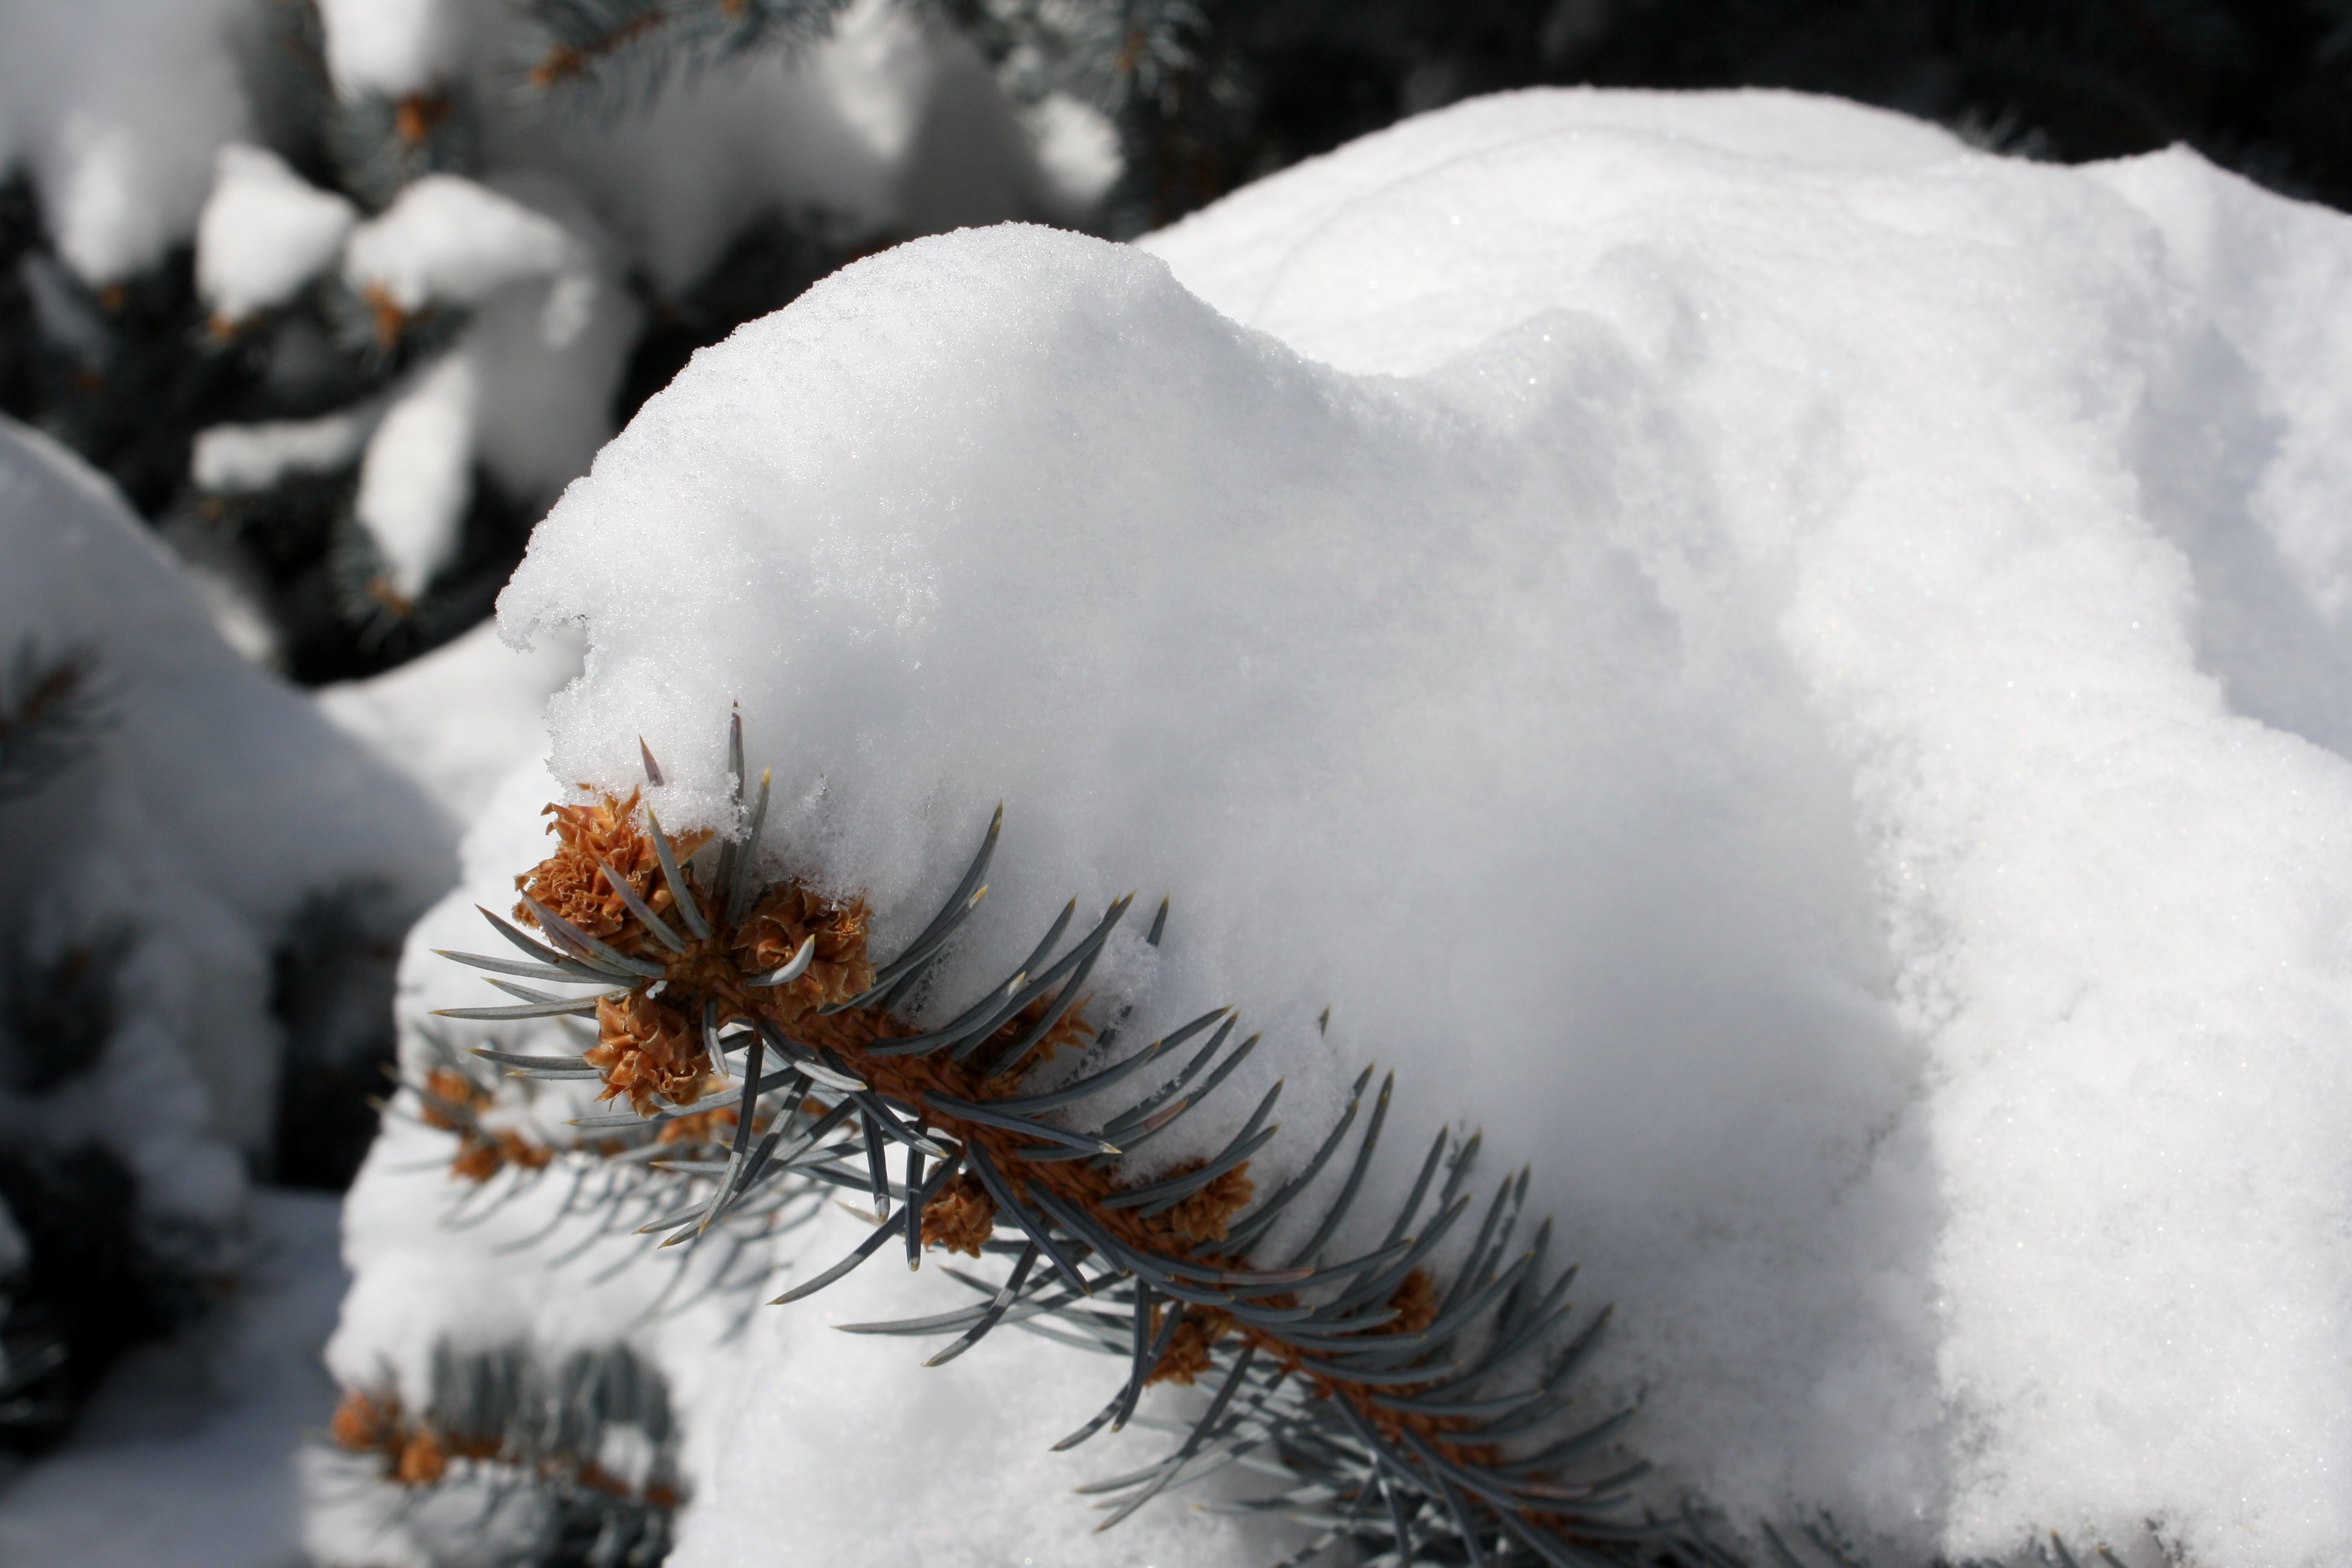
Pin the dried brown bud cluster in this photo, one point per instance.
(412, 1452)
(650, 1046)
(1203, 1216)
(959, 1218)
(453, 1102)
(648, 1050)
(1188, 1353)
(694, 953)
(571, 881)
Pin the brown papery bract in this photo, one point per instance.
(961, 1218)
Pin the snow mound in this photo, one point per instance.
(1794, 670)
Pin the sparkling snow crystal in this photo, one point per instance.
(1794, 671)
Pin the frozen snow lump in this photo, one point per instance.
(1687, 621)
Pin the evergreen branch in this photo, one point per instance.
(1318, 1362)
(634, 48)
(502, 1421)
(51, 716)
(57, 1015)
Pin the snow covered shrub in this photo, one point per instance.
(1792, 670)
(158, 827)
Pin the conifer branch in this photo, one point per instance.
(50, 716)
(504, 1420)
(1394, 1398)
(633, 47)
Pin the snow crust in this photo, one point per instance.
(1794, 669)
(215, 799)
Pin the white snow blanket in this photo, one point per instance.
(1794, 671)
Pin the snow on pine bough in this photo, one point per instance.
(1418, 1417)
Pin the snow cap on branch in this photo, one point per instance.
(117, 106)
(390, 46)
(265, 232)
(236, 459)
(449, 240)
(418, 476)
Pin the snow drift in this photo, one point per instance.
(1791, 669)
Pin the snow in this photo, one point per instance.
(529, 387)
(448, 238)
(121, 108)
(265, 232)
(887, 125)
(827, 136)
(216, 800)
(117, 106)
(245, 458)
(526, 390)
(1792, 669)
(1078, 151)
(459, 719)
(187, 1453)
(390, 47)
(548, 349)
(418, 474)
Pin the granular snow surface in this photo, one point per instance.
(1793, 670)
